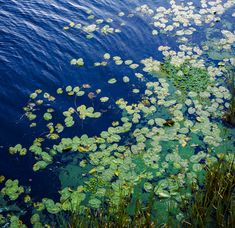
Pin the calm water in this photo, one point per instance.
(35, 52)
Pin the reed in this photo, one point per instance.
(229, 116)
(214, 204)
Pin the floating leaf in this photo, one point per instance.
(80, 62)
(94, 203)
(33, 95)
(73, 62)
(133, 66)
(126, 79)
(59, 91)
(135, 90)
(107, 56)
(112, 81)
(104, 99)
(80, 93)
(47, 116)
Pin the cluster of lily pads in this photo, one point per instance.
(183, 19)
(220, 48)
(14, 198)
(162, 143)
(12, 190)
(97, 25)
(18, 149)
(107, 58)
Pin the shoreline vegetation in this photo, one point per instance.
(229, 116)
(213, 205)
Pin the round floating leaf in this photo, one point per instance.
(94, 203)
(128, 62)
(112, 81)
(155, 32)
(148, 186)
(76, 89)
(118, 62)
(59, 91)
(47, 116)
(68, 88)
(97, 115)
(126, 79)
(33, 95)
(107, 56)
(80, 93)
(133, 66)
(73, 62)
(39, 165)
(80, 62)
(104, 99)
(135, 90)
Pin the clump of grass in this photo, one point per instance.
(229, 116)
(129, 213)
(214, 204)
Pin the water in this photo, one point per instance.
(35, 52)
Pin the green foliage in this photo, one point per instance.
(214, 204)
(185, 77)
(35, 221)
(70, 200)
(79, 62)
(87, 112)
(51, 207)
(93, 184)
(47, 116)
(15, 222)
(142, 167)
(229, 116)
(12, 189)
(18, 149)
(129, 212)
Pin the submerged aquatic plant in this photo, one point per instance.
(185, 77)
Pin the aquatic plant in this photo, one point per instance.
(229, 115)
(130, 211)
(186, 78)
(214, 204)
(12, 190)
(87, 112)
(96, 25)
(18, 149)
(79, 62)
(14, 201)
